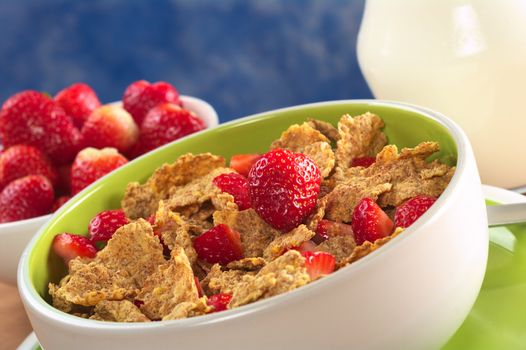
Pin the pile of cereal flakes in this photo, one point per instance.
(135, 278)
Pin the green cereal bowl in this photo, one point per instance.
(441, 299)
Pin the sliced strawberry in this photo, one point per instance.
(78, 101)
(22, 160)
(25, 198)
(407, 213)
(370, 222)
(242, 163)
(110, 126)
(141, 96)
(284, 188)
(363, 161)
(92, 164)
(199, 287)
(219, 301)
(32, 118)
(69, 246)
(328, 228)
(319, 264)
(220, 245)
(60, 201)
(104, 224)
(237, 186)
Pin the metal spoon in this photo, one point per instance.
(506, 214)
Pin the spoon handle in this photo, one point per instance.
(506, 214)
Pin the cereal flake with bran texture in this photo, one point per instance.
(287, 241)
(117, 272)
(140, 201)
(255, 233)
(172, 283)
(118, 311)
(360, 136)
(281, 275)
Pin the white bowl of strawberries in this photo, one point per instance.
(55, 147)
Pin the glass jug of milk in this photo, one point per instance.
(465, 59)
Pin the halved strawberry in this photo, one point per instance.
(237, 185)
(220, 245)
(69, 246)
(407, 213)
(219, 301)
(242, 163)
(363, 161)
(370, 222)
(319, 264)
(328, 228)
(104, 224)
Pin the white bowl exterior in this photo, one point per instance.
(15, 236)
(411, 294)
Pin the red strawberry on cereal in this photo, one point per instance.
(92, 164)
(78, 101)
(219, 301)
(237, 185)
(104, 224)
(69, 246)
(284, 188)
(141, 96)
(110, 126)
(242, 163)
(165, 123)
(34, 119)
(25, 198)
(22, 160)
(220, 245)
(411, 210)
(370, 222)
(319, 264)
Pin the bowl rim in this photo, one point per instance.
(211, 119)
(35, 304)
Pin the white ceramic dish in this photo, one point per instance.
(496, 194)
(14, 236)
(411, 294)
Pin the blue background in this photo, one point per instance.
(241, 56)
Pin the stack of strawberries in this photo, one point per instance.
(55, 147)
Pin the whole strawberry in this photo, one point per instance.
(407, 213)
(21, 160)
(32, 118)
(104, 224)
(141, 96)
(284, 188)
(78, 101)
(92, 164)
(166, 123)
(110, 126)
(60, 201)
(25, 198)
